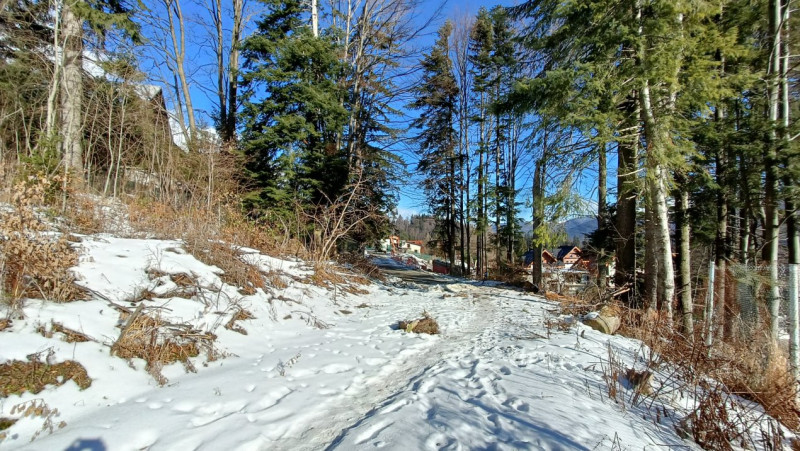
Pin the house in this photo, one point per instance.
(395, 244)
(413, 246)
(548, 259)
(569, 255)
(391, 244)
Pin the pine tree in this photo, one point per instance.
(294, 112)
(655, 58)
(436, 99)
(480, 57)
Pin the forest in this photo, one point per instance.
(674, 120)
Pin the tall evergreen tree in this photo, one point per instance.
(656, 54)
(294, 112)
(436, 100)
(481, 40)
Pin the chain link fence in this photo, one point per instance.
(751, 285)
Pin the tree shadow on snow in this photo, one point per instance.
(87, 444)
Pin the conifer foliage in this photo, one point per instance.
(294, 112)
(436, 100)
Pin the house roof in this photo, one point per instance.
(528, 256)
(562, 251)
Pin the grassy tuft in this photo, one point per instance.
(18, 377)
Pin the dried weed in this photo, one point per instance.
(68, 335)
(17, 377)
(240, 315)
(424, 325)
(160, 343)
(34, 263)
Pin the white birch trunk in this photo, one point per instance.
(709, 312)
(72, 90)
(58, 63)
(794, 325)
(314, 18)
(178, 36)
(771, 222)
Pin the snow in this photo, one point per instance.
(497, 377)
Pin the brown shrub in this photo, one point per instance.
(424, 325)
(274, 279)
(32, 262)
(159, 343)
(360, 264)
(82, 216)
(6, 423)
(236, 272)
(748, 367)
(17, 377)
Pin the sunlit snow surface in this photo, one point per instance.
(493, 379)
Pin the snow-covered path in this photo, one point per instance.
(495, 378)
(507, 386)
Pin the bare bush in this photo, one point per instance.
(33, 261)
(159, 343)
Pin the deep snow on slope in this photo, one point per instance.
(321, 368)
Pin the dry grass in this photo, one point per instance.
(737, 368)
(159, 343)
(240, 315)
(83, 216)
(330, 276)
(6, 423)
(424, 325)
(68, 335)
(34, 263)
(186, 285)
(743, 368)
(275, 280)
(236, 272)
(361, 265)
(17, 377)
(5, 323)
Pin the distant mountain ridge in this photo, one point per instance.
(576, 228)
(420, 227)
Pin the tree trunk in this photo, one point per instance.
(72, 91)
(792, 235)
(684, 259)
(451, 254)
(602, 193)
(55, 84)
(627, 193)
(725, 311)
(314, 19)
(771, 225)
(178, 35)
(538, 220)
(650, 261)
(497, 191)
(656, 181)
(219, 50)
(233, 69)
